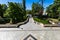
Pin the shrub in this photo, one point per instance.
(41, 20)
(2, 21)
(7, 20)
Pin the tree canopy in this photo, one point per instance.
(14, 11)
(37, 8)
(52, 10)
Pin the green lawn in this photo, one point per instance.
(41, 21)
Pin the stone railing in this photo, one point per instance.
(14, 25)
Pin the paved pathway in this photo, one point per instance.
(36, 30)
(31, 25)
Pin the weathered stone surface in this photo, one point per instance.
(20, 35)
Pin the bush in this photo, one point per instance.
(59, 19)
(2, 21)
(19, 20)
(41, 20)
(7, 20)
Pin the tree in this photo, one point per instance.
(29, 12)
(3, 8)
(14, 12)
(36, 8)
(52, 10)
(24, 7)
(1, 11)
(59, 12)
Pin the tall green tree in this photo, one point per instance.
(24, 7)
(14, 12)
(1, 11)
(37, 8)
(52, 10)
(3, 8)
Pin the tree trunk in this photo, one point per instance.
(11, 20)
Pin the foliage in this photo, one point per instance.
(24, 7)
(52, 10)
(41, 21)
(37, 8)
(28, 11)
(14, 12)
(4, 21)
(1, 11)
(3, 8)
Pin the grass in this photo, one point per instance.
(41, 20)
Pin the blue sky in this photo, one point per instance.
(28, 2)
